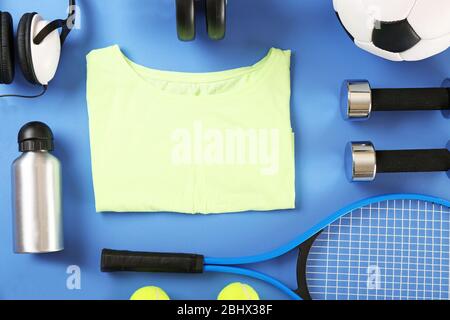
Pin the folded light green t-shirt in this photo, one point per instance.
(190, 142)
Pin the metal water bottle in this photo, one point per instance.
(36, 179)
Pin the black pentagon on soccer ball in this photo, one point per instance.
(396, 37)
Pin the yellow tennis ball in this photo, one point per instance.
(150, 293)
(238, 291)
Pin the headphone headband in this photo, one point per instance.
(56, 24)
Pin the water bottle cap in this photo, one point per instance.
(35, 136)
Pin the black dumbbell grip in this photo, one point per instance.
(114, 261)
(410, 99)
(413, 161)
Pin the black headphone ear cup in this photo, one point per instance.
(216, 18)
(185, 19)
(24, 47)
(7, 70)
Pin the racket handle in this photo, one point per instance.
(115, 261)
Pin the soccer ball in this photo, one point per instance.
(398, 30)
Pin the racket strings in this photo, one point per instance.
(390, 250)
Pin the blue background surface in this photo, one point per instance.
(323, 56)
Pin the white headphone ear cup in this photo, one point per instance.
(45, 56)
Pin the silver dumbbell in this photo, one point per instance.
(363, 162)
(359, 100)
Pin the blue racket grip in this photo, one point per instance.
(116, 261)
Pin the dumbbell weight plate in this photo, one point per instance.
(356, 100)
(360, 161)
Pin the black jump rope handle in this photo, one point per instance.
(115, 261)
(410, 99)
(433, 160)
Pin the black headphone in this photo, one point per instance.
(38, 47)
(215, 19)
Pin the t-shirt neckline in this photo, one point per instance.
(263, 66)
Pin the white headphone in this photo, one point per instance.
(38, 47)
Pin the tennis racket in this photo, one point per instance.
(393, 247)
